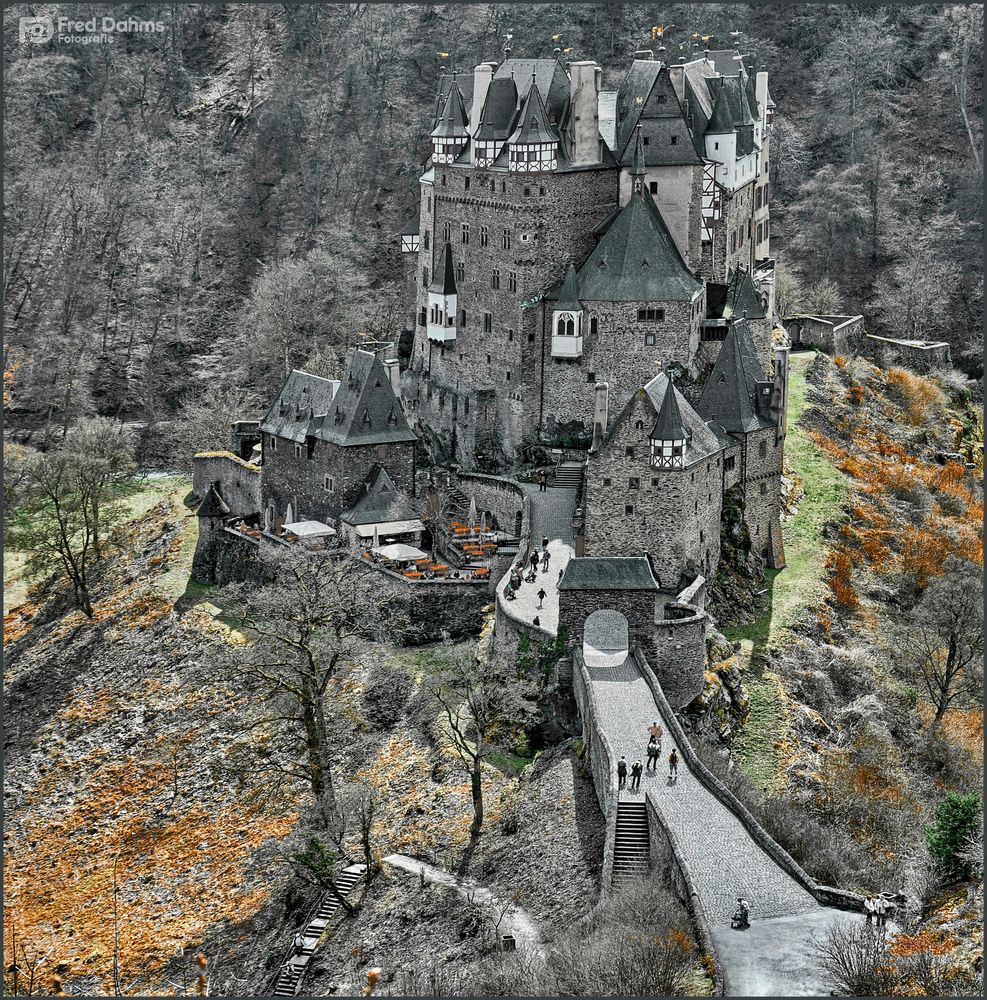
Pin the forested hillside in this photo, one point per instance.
(191, 213)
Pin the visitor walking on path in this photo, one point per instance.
(621, 772)
(673, 765)
(299, 943)
(655, 733)
(869, 909)
(536, 621)
(881, 908)
(534, 561)
(541, 597)
(544, 544)
(542, 481)
(742, 918)
(544, 561)
(653, 752)
(636, 772)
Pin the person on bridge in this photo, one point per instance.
(621, 772)
(636, 771)
(546, 556)
(541, 597)
(673, 765)
(654, 750)
(655, 733)
(534, 561)
(742, 918)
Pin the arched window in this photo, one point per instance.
(593, 326)
(570, 327)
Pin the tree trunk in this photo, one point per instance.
(476, 792)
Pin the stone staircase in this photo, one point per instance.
(567, 475)
(294, 967)
(631, 848)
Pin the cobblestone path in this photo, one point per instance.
(551, 517)
(723, 860)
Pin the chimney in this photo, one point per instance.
(585, 81)
(393, 370)
(601, 414)
(482, 75)
(779, 397)
(761, 92)
(677, 75)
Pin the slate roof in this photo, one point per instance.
(464, 81)
(702, 440)
(721, 120)
(413, 226)
(444, 279)
(739, 296)
(669, 425)
(550, 77)
(302, 398)
(632, 95)
(637, 260)
(569, 296)
(729, 395)
(499, 110)
(365, 410)
(212, 505)
(638, 169)
(725, 62)
(533, 126)
(453, 121)
(608, 573)
(382, 501)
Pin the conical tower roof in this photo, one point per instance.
(721, 120)
(213, 505)
(452, 124)
(444, 279)
(533, 123)
(669, 425)
(729, 393)
(569, 295)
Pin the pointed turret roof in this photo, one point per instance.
(213, 505)
(669, 425)
(638, 169)
(721, 120)
(381, 501)
(444, 279)
(569, 294)
(498, 111)
(533, 123)
(729, 395)
(453, 121)
(637, 260)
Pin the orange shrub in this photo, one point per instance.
(917, 394)
(840, 564)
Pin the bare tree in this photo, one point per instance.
(942, 648)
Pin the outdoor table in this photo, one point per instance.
(481, 570)
(411, 572)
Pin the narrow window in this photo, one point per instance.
(495, 278)
(512, 281)
(484, 236)
(460, 273)
(510, 335)
(633, 483)
(273, 443)
(593, 326)
(507, 239)
(428, 239)
(628, 508)
(487, 322)
(650, 340)
(466, 184)
(424, 277)
(653, 187)
(447, 231)
(728, 463)
(629, 452)
(443, 180)
(466, 233)
(329, 483)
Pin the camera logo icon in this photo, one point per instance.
(36, 30)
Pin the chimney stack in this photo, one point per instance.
(585, 81)
(393, 370)
(482, 75)
(761, 92)
(601, 414)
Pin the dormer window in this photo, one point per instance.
(392, 420)
(337, 418)
(366, 418)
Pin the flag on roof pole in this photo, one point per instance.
(376, 543)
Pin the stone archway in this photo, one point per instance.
(606, 638)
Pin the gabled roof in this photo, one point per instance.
(632, 96)
(364, 410)
(444, 279)
(412, 227)
(729, 395)
(380, 503)
(499, 110)
(637, 260)
(302, 398)
(533, 126)
(448, 81)
(569, 296)
(726, 62)
(608, 573)
(453, 121)
(212, 505)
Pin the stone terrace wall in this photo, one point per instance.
(240, 481)
(831, 334)
(678, 651)
(664, 845)
(917, 355)
(826, 895)
(504, 498)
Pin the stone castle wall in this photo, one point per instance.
(300, 481)
(239, 481)
(738, 209)
(678, 653)
(762, 486)
(674, 515)
(637, 606)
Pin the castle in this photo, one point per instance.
(593, 283)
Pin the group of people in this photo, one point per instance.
(876, 910)
(655, 733)
(518, 575)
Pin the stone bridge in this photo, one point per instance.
(717, 850)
